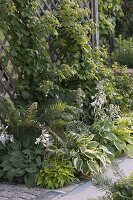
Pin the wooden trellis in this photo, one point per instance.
(91, 4)
(9, 72)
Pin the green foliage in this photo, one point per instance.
(87, 154)
(111, 129)
(121, 189)
(123, 130)
(21, 121)
(125, 23)
(56, 174)
(20, 164)
(62, 75)
(34, 44)
(124, 52)
(108, 16)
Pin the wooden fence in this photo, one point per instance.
(8, 71)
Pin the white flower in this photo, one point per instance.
(38, 140)
(5, 138)
(11, 138)
(46, 135)
(44, 138)
(2, 138)
(44, 141)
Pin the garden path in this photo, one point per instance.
(79, 191)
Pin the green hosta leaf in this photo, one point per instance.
(85, 140)
(130, 140)
(39, 161)
(118, 145)
(110, 136)
(15, 145)
(105, 149)
(94, 167)
(102, 158)
(29, 180)
(129, 150)
(19, 172)
(16, 153)
(7, 167)
(5, 163)
(92, 144)
(77, 162)
(32, 168)
(17, 162)
(90, 153)
(11, 174)
(85, 168)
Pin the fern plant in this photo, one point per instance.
(21, 121)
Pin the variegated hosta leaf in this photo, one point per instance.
(92, 144)
(94, 167)
(105, 150)
(77, 162)
(129, 150)
(85, 168)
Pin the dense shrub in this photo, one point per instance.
(124, 25)
(123, 53)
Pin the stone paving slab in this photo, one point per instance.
(82, 190)
(21, 192)
(88, 191)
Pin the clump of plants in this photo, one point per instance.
(56, 174)
(31, 140)
(67, 112)
(120, 189)
(123, 53)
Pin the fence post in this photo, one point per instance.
(94, 10)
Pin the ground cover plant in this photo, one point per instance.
(120, 189)
(70, 112)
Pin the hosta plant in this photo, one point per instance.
(86, 154)
(123, 129)
(20, 164)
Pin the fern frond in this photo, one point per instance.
(31, 114)
(58, 107)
